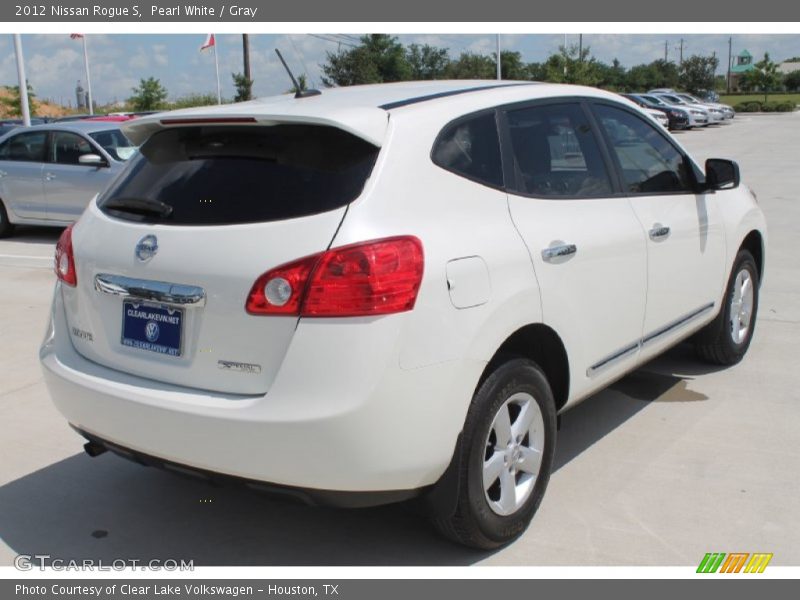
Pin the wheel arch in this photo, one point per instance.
(541, 344)
(753, 242)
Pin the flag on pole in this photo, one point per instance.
(209, 42)
(75, 36)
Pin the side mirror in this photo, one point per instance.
(721, 174)
(92, 159)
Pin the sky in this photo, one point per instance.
(54, 62)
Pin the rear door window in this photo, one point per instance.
(222, 175)
(26, 147)
(556, 153)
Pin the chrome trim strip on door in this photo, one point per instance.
(622, 353)
(153, 291)
(611, 359)
(676, 323)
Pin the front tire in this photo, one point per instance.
(726, 339)
(507, 450)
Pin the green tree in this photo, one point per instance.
(472, 66)
(13, 103)
(697, 73)
(378, 58)
(244, 87)
(763, 77)
(573, 65)
(511, 66)
(427, 62)
(612, 77)
(149, 95)
(302, 85)
(792, 81)
(657, 74)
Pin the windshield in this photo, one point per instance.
(115, 143)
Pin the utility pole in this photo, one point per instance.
(246, 54)
(499, 71)
(580, 48)
(681, 56)
(666, 50)
(730, 58)
(23, 81)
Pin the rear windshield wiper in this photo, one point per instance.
(144, 207)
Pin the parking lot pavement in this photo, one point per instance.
(676, 460)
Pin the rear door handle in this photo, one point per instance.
(49, 176)
(659, 232)
(559, 251)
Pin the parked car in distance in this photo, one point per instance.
(658, 116)
(111, 118)
(390, 291)
(49, 173)
(712, 115)
(75, 117)
(726, 111)
(677, 118)
(697, 117)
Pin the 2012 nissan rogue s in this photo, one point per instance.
(391, 291)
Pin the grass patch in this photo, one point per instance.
(745, 98)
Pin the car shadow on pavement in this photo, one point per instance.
(31, 234)
(108, 508)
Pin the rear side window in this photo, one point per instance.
(649, 163)
(27, 147)
(471, 148)
(556, 153)
(224, 175)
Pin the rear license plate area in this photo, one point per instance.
(152, 327)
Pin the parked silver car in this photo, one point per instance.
(50, 172)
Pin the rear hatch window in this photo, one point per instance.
(225, 175)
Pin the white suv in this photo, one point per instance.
(390, 291)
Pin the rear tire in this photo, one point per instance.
(726, 339)
(507, 450)
(6, 227)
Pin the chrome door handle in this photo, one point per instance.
(659, 231)
(154, 291)
(49, 176)
(3, 173)
(559, 251)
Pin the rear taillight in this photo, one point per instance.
(371, 278)
(65, 259)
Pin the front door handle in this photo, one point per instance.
(49, 176)
(559, 251)
(659, 232)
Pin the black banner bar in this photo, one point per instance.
(446, 11)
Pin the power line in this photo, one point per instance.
(332, 40)
(302, 60)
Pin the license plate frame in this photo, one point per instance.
(153, 327)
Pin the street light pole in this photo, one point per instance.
(499, 72)
(23, 81)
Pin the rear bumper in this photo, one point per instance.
(341, 415)
(312, 497)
